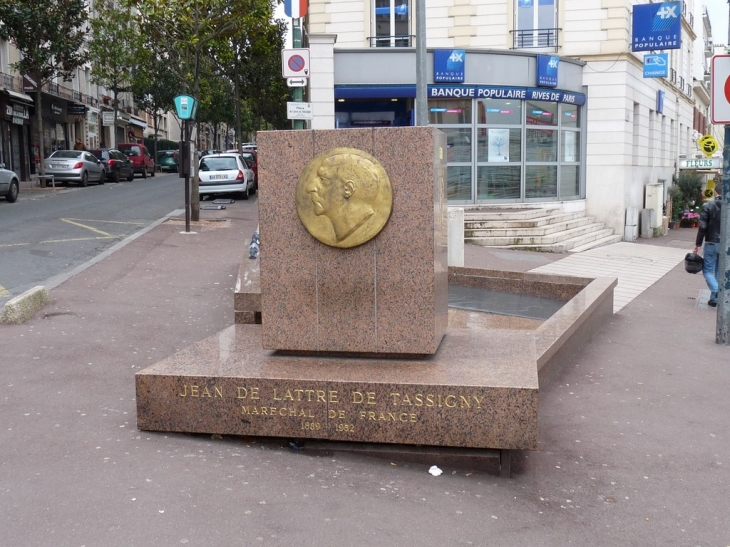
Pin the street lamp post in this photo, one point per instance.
(421, 87)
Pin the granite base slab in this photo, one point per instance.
(480, 389)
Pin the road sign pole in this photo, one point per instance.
(723, 297)
(298, 92)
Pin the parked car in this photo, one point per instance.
(167, 160)
(9, 184)
(79, 166)
(251, 157)
(117, 166)
(142, 160)
(225, 174)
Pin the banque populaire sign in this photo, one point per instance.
(500, 92)
(657, 26)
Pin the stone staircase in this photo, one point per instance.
(546, 229)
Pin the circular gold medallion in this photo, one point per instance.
(344, 197)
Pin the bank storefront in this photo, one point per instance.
(507, 142)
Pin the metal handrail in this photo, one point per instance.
(400, 40)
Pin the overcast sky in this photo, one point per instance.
(718, 10)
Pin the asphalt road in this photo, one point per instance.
(46, 234)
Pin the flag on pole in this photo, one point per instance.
(295, 8)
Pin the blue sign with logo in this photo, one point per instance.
(657, 26)
(448, 65)
(547, 70)
(656, 66)
(660, 102)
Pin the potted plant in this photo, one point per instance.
(684, 193)
(690, 219)
(675, 206)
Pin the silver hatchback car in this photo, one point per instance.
(225, 174)
(75, 166)
(9, 185)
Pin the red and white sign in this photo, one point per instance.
(720, 89)
(295, 63)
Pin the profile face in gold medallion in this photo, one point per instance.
(344, 197)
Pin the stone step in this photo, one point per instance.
(509, 213)
(527, 239)
(470, 224)
(608, 240)
(509, 229)
(596, 238)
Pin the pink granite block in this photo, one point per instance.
(389, 295)
(346, 310)
(412, 280)
(288, 261)
(324, 140)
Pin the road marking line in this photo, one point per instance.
(80, 239)
(58, 241)
(107, 221)
(87, 227)
(4, 291)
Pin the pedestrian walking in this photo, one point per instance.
(710, 232)
(79, 145)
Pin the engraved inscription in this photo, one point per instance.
(189, 390)
(314, 409)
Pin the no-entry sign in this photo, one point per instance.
(720, 85)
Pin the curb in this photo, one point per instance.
(24, 306)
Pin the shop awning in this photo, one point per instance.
(18, 96)
(374, 91)
(137, 121)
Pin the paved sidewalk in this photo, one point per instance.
(633, 433)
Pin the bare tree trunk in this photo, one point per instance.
(237, 99)
(39, 122)
(113, 144)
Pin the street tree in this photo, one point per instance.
(182, 31)
(154, 85)
(49, 35)
(216, 103)
(251, 58)
(113, 52)
(260, 74)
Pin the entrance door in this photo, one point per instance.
(15, 143)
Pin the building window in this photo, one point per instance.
(391, 23)
(499, 149)
(512, 149)
(453, 117)
(535, 24)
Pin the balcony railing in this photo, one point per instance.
(7, 81)
(402, 40)
(535, 38)
(16, 84)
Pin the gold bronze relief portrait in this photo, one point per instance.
(344, 197)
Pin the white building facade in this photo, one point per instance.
(592, 139)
